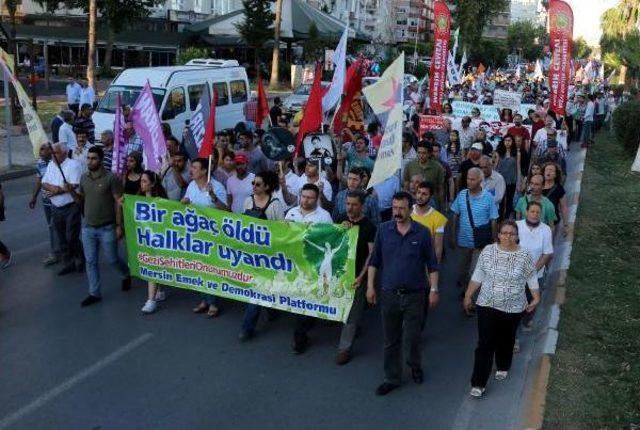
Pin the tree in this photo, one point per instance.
(313, 44)
(581, 49)
(255, 28)
(490, 52)
(117, 15)
(526, 39)
(91, 43)
(621, 38)
(472, 16)
(191, 53)
(275, 55)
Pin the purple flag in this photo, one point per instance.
(146, 122)
(119, 158)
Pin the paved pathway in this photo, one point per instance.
(110, 367)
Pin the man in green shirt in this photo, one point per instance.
(548, 210)
(99, 194)
(429, 168)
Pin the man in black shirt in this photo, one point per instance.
(366, 237)
(276, 111)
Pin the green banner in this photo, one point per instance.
(307, 269)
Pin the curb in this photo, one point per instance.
(17, 174)
(534, 413)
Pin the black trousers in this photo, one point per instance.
(68, 224)
(496, 336)
(506, 205)
(74, 108)
(3, 250)
(402, 318)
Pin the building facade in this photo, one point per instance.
(528, 10)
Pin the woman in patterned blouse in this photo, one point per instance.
(503, 270)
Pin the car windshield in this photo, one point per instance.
(303, 90)
(129, 96)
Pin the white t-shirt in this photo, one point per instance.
(495, 186)
(239, 190)
(72, 172)
(326, 186)
(66, 135)
(537, 241)
(201, 197)
(317, 216)
(589, 111)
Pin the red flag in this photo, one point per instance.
(206, 148)
(560, 42)
(262, 110)
(438, 72)
(353, 86)
(312, 116)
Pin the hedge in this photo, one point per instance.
(626, 125)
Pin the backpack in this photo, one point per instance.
(257, 212)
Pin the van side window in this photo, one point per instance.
(238, 91)
(195, 92)
(222, 92)
(175, 104)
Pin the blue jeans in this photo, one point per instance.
(250, 319)
(53, 241)
(92, 238)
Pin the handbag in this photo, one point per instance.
(482, 234)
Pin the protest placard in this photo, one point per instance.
(306, 269)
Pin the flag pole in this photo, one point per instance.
(209, 168)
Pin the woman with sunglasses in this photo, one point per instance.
(261, 204)
(503, 271)
(151, 186)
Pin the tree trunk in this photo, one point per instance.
(275, 59)
(91, 49)
(111, 35)
(622, 79)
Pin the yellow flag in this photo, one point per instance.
(31, 118)
(389, 158)
(387, 91)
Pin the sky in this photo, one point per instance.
(586, 17)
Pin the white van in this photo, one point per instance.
(177, 91)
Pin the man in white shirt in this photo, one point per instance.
(65, 211)
(81, 150)
(87, 94)
(493, 182)
(466, 133)
(201, 193)
(308, 212)
(73, 90)
(66, 134)
(239, 186)
(587, 124)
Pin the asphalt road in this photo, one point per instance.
(110, 367)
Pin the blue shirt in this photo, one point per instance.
(402, 260)
(385, 191)
(483, 210)
(371, 209)
(41, 167)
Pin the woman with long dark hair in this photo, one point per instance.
(133, 173)
(555, 192)
(151, 186)
(454, 159)
(508, 165)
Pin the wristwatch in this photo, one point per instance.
(434, 290)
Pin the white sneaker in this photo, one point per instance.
(161, 296)
(476, 392)
(501, 375)
(149, 307)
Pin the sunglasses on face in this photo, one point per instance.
(257, 184)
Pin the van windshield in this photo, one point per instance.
(129, 96)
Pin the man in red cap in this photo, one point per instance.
(239, 186)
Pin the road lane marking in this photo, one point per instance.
(73, 381)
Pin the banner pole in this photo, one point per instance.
(209, 169)
(7, 118)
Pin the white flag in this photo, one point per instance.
(333, 94)
(538, 71)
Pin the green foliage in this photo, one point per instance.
(527, 39)
(490, 52)
(472, 16)
(313, 44)
(625, 125)
(620, 40)
(581, 49)
(191, 53)
(119, 14)
(423, 49)
(256, 29)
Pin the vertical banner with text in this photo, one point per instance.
(438, 71)
(306, 269)
(561, 43)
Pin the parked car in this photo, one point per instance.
(177, 91)
(299, 97)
